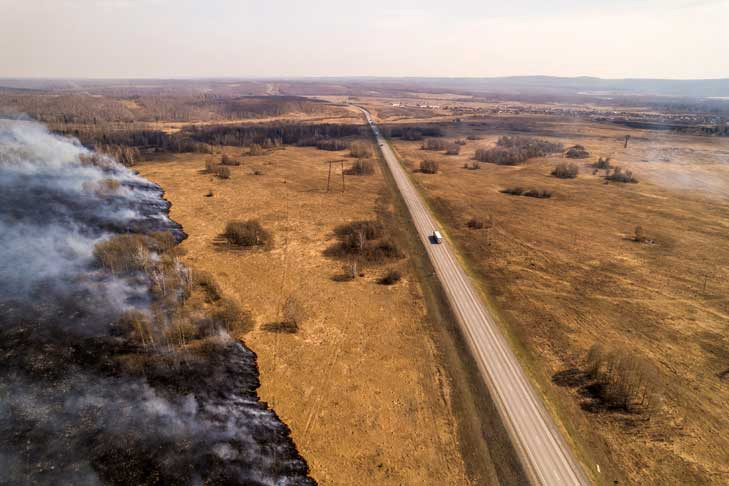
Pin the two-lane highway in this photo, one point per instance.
(542, 450)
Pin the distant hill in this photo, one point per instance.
(691, 88)
(522, 85)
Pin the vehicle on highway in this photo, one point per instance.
(437, 237)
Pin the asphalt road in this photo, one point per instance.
(546, 457)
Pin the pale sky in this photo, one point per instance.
(186, 38)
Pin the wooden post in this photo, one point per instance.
(342, 161)
(329, 177)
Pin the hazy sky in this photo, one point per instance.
(186, 38)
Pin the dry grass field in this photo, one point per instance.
(565, 273)
(359, 382)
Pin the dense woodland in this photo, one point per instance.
(201, 139)
(96, 109)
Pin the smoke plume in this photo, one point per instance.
(81, 402)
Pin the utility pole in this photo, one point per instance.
(329, 176)
(342, 161)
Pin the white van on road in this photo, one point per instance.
(437, 237)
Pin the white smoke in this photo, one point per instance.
(56, 206)
(70, 411)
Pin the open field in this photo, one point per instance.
(565, 273)
(360, 384)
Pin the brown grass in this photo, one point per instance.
(359, 339)
(566, 274)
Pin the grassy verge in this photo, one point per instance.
(577, 430)
(485, 444)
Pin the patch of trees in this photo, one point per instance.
(479, 223)
(361, 167)
(566, 171)
(222, 172)
(434, 144)
(618, 175)
(577, 152)
(429, 167)
(365, 240)
(533, 192)
(622, 379)
(127, 156)
(515, 150)
(255, 149)
(68, 109)
(247, 234)
(412, 132)
(361, 150)
(331, 144)
(226, 159)
(286, 133)
(602, 163)
(453, 149)
(156, 140)
(390, 278)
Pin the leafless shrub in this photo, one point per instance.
(228, 315)
(473, 137)
(123, 253)
(460, 141)
(577, 152)
(538, 193)
(453, 149)
(479, 223)
(602, 163)
(137, 326)
(520, 191)
(255, 149)
(247, 233)
(292, 316)
(223, 172)
(258, 172)
(434, 144)
(226, 159)
(429, 167)
(209, 286)
(209, 193)
(639, 235)
(210, 166)
(361, 150)
(566, 171)
(514, 191)
(361, 167)
(390, 278)
(619, 176)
